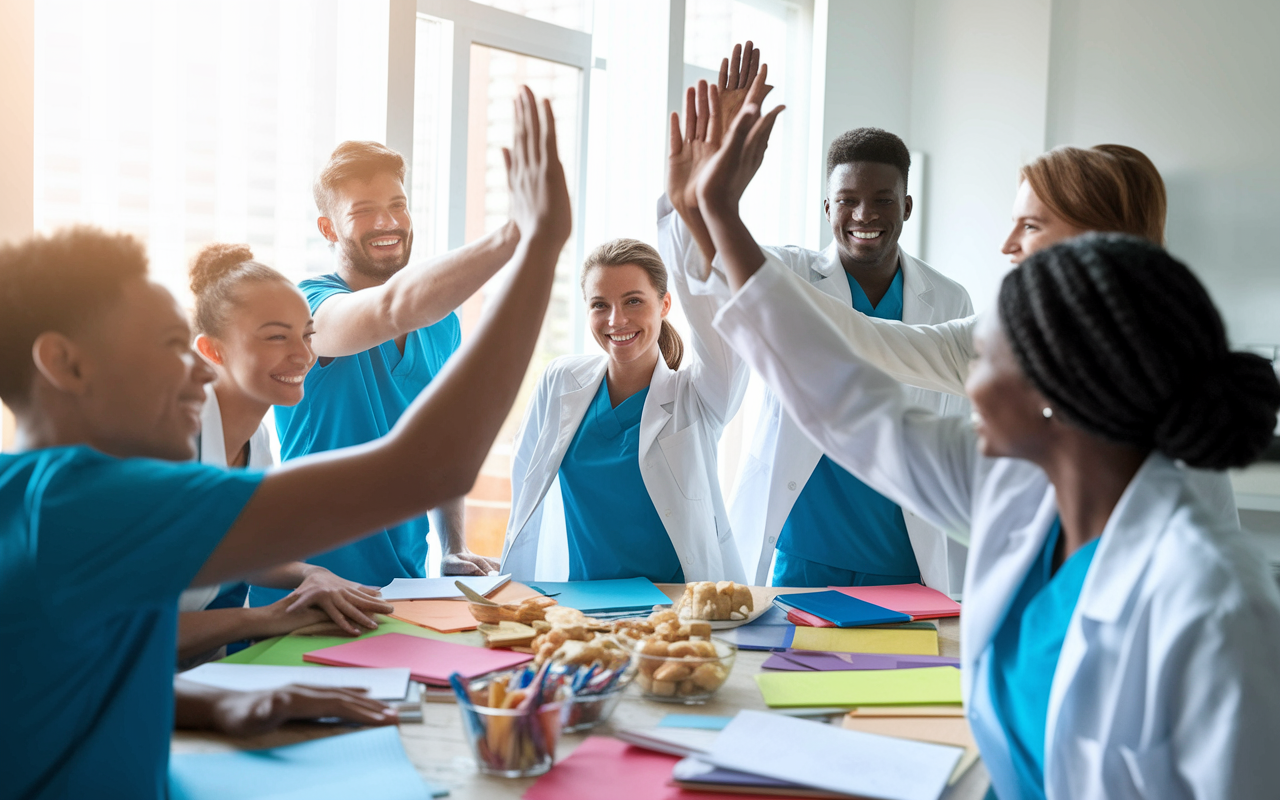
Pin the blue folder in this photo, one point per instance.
(841, 610)
(602, 597)
(769, 631)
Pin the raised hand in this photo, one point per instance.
(539, 194)
(737, 77)
(726, 174)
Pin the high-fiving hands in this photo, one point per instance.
(708, 111)
(539, 194)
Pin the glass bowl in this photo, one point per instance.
(683, 672)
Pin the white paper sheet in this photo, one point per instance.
(382, 684)
(827, 757)
(440, 588)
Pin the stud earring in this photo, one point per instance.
(1048, 412)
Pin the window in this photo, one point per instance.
(186, 123)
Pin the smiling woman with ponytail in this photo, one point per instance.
(625, 443)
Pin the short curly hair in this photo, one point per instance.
(354, 160)
(869, 144)
(57, 282)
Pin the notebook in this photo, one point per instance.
(428, 660)
(380, 684)
(920, 602)
(840, 609)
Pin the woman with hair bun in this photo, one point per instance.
(614, 473)
(254, 327)
(1119, 638)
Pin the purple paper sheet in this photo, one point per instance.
(807, 660)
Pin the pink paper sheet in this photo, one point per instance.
(919, 601)
(428, 660)
(609, 768)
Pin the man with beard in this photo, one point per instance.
(384, 328)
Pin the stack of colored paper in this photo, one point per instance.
(853, 606)
(621, 596)
(428, 660)
(801, 689)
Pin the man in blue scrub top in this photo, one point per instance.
(384, 329)
(841, 532)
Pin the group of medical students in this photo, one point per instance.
(1119, 634)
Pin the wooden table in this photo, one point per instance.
(442, 756)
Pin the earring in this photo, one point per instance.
(1048, 412)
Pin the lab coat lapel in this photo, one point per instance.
(1124, 551)
(658, 406)
(575, 396)
(917, 291)
(213, 448)
(827, 273)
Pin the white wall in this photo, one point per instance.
(977, 112)
(1196, 86)
(861, 78)
(17, 137)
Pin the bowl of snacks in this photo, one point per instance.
(681, 662)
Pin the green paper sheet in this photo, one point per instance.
(288, 651)
(882, 687)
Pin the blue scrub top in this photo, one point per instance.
(838, 520)
(1024, 656)
(94, 552)
(614, 530)
(353, 400)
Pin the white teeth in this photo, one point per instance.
(288, 378)
(623, 337)
(384, 242)
(866, 235)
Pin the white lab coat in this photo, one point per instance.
(1165, 686)
(781, 458)
(937, 357)
(211, 449)
(684, 414)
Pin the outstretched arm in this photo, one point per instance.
(248, 713)
(421, 294)
(435, 451)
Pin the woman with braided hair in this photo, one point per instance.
(1119, 638)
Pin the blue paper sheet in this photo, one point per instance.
(371, 763)
(841, 609)
(700, 721)
(598, 597)
(769, 631)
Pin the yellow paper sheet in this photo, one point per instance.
(902, 641)
(860, 687)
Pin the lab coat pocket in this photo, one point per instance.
(1152, 771)
(683, 453)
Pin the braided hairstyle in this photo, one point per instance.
(1124, 341)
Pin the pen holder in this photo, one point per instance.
(588, 711)
(513, 742)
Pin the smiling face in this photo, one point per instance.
(1035, 226)
(264, 348)
(866, 204)
(1008, 411)
(624, 311)
(141, 385)
(371, 227)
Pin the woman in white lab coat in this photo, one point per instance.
(1118, 640)
(254, 327)
(614, 473)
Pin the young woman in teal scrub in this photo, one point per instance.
(254, 328)
(615, 474)
(105, 518)
(1120, 637)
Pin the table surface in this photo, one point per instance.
(438, 750)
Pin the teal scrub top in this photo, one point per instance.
(1024, 656)
(614, 531)
(352, 400)
(840, 521)
(94, 552)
